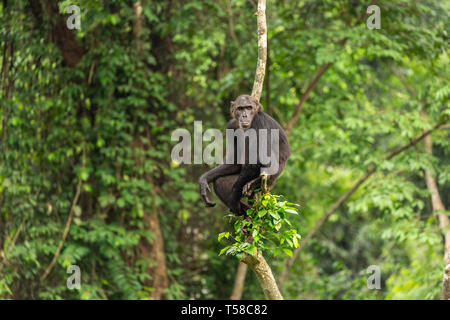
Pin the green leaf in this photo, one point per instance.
(223, 234)
(291, 211)
(288, 252)
(294, 239)
(223, 250)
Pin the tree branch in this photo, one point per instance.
(66, 232)
(239, 280)
(320, 71)
(262, 50)
(231, 24)
(11, 245)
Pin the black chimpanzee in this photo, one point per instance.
(236, 179)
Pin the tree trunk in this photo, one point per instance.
(65, 39)
(258, 263)
(264, 274)
(155, 251)
(239, 282)
(439, 209)
(436, 202)
(262, 50)
(260, 266)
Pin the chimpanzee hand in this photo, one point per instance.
(247, 191)
(203, 187)
(250, 186)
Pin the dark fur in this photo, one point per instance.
(229, 179)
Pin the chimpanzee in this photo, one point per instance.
(233, 179)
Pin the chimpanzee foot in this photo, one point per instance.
(247, 190)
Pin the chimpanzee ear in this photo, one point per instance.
(232, 108)
(258, 105)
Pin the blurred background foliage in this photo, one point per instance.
(90, 112)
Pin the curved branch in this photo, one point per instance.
(65, 234)
(231, 24)
(11, 245)
(239, 280)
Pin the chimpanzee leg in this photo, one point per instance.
(223, 188)
(210, 176)
(247, 174)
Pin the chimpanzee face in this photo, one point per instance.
(245, 115)
(244, 109)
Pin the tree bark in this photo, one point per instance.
(137, 25)
(268, 106)
(439, 209)
(262, 50)
(239, 281)
(259, 265)
(155, 251)
(65, 39)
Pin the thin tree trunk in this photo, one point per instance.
(66, 230)
(264, 274)
(239, 281)
(268, 106)
(315, 79)
(257, 262)
(436, 202)
(231, 24)
(155, 250)
(259, 265)
(439, 209)
(262, 50)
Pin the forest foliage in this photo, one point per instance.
(86, 118)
